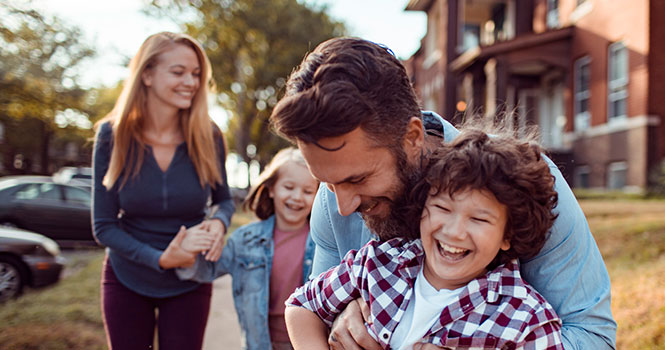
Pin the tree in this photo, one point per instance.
(253, 45)
(38, 80)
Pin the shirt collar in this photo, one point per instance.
(505, 280)
(433, 124)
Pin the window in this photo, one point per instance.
(470, 36)
(47, 191)
(432, 36)
(582, 93)
(552, 14)
(616, 175)
(432, 49)
(617, 84)
(77, 195)
(582, 173)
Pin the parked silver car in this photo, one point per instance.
(27, 259)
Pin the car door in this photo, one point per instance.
(78, 202)
(40, 207)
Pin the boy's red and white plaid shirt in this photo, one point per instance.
(496, 311)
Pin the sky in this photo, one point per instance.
(117, 28)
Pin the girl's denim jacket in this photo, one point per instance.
(247, 256)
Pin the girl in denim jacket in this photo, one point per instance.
(270, 258)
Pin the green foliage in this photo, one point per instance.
(253, 45)
(100, 101)
(39, 94)
(38, 57)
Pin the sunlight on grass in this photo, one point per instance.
(638, 305)
(64, 316)
(631, 237)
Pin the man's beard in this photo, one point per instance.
(399, 221)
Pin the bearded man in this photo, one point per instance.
(353, 113)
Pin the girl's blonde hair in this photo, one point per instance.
(258, 200)
(127, 116)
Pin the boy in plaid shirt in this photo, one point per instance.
(484, 203)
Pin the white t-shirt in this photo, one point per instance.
(423, 310)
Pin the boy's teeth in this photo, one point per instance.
(450, 249)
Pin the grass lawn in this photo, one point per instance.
(631, 237)
(630, 234)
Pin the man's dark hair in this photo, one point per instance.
(343, 84)
(513, 170)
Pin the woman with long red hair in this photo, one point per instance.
(158, 168)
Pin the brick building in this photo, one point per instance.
(589, 73)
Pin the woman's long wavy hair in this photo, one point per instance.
(128, 115)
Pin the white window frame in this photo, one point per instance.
(582, 118)
(617, 88)
(432, 50)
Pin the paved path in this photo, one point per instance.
(223, 331)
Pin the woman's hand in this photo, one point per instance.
(198, 239)
(216, 228)
(175, 255)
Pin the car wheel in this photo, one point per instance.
(11, 278)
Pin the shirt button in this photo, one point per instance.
(385, 335)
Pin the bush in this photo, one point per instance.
(657, 181)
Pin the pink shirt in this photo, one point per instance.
(285, 277)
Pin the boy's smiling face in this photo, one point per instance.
(461, 236)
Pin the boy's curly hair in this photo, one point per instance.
(513, 170)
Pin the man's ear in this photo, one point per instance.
(146, 77)
(414, 138)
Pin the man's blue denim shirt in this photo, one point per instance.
(569, 271)
(247, 256)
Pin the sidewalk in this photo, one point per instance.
(223, 331)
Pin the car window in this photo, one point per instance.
(28, 192)
(77, 195)
(41, 191)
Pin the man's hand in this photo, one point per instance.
(348, 331)
(174, 255)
